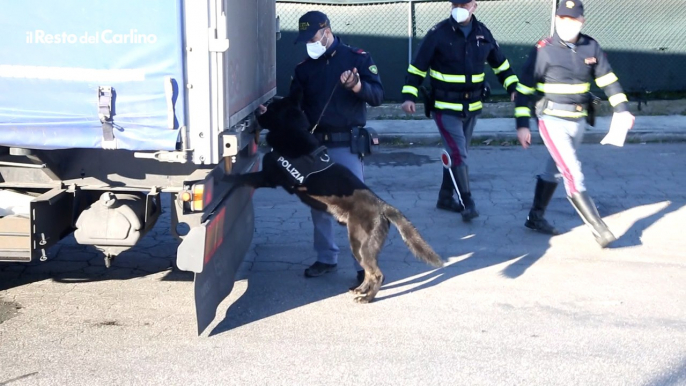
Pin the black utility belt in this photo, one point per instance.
(328, 137)
(571, 107)
(447, 96)
(361, 140)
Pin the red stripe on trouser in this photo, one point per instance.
(559, 161)
(452, 145)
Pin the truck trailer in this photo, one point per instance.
(104, 106)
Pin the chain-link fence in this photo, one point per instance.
(644, 39)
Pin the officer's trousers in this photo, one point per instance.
(456, 133)
(562, 137)
(324, 223)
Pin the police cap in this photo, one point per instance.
(570, 8)
(309, 24)
(460, 1)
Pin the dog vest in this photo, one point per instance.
(298, 169)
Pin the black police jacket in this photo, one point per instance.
(456, 64)
(316, 78)
(562, 74)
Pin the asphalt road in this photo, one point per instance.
(512, 307)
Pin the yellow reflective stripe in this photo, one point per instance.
(522, 112)
(414, 70)
(562, 88)
(458, 106)
(475, 106)
(446, 105)
(410, 90)
(503, 67)
(606, 80)
(617, 99)
(447, 77)
(565, 114)
(522, 89)
(509, 80)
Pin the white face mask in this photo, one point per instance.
(317, 49)
(568, 30)
(461, 14)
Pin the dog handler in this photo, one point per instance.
(561, 68)
(337, 81)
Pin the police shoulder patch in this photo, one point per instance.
(373, 69)
(542, 43)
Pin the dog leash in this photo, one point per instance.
(329, 101)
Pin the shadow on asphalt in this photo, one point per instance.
(270, 294)
(676, 376)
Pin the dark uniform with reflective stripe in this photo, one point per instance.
(562, 73)
(455, 65)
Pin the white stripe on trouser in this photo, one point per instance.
(562, 137)
(324, 223)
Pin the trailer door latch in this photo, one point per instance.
(106, 112)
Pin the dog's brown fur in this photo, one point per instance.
(338, 191)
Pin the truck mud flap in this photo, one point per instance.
(221, 243)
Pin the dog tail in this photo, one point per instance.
(418, 246)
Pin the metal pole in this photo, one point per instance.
(409, 31)
(22, 165)
(552, 18)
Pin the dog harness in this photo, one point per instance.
(300, 168)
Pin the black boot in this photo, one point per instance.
(543, 194)
(462, 178)
(589, 213)
(445, 195)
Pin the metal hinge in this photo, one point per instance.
(164, 156)
(218, 41)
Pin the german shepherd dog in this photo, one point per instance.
(335, 190)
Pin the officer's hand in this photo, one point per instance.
(351, 80)
(408, 107)
(524, 136)
(261, 109)
(626, 117)
(512, 96)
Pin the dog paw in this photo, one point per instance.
(358, 291)
(361, 290)
(363, 299)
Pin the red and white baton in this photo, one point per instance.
(447, 163)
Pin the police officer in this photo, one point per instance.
(337, 82)
(561, 68)
(453, 54)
